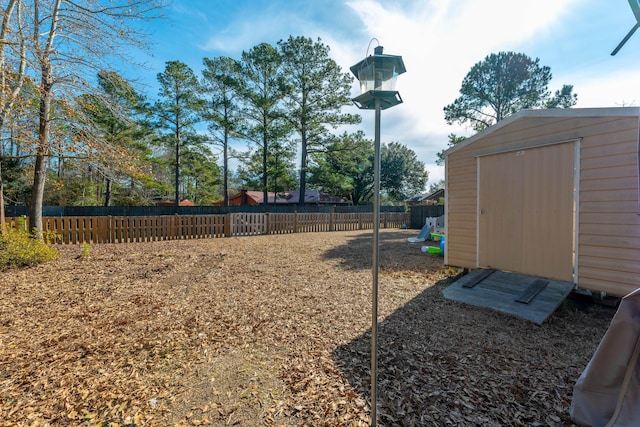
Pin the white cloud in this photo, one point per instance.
(439, 42)
(618, 89)
(241, 35)
(273, 22)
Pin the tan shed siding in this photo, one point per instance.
(609, 220)
(526, 210)
(617, 196)
(594, 249)
(612, 246)
(461, 211)
(609, 233)
(597, 280)
(606, 286)
(549, 207)
(591, 186)
(461, 177)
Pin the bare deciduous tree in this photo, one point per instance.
(11, 36)
(70, 41)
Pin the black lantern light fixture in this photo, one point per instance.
(377, 74)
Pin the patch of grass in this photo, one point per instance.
(19, 249)
(85, 250)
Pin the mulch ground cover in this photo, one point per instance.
(272, 331)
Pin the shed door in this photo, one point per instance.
(526, 204)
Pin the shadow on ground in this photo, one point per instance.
(394, 252)
(446, 363)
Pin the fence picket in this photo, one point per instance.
(121, 229)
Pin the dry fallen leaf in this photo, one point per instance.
(274, 330)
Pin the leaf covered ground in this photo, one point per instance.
(273, 331)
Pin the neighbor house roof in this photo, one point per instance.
(247, 198)
(258, 196)
(283, 198)
(310, 197)
(185, 202)
(435, 196)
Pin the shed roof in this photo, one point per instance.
(546, 113)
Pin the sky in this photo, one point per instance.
(439, 41)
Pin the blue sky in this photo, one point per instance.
(439, 40)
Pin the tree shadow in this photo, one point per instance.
(442, 362)
(394, 251)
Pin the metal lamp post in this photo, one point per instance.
(377, 74)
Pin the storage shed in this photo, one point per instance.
(551, 193)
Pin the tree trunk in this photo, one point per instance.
(44, 116)
(2, 217)
(107, 193)
(37, 194)
(303, 168)
(225, 168)
(265, 194)
(177, 175)
(40, 170)
(2, 220)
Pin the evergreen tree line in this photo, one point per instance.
(74, 131)
(110, 144)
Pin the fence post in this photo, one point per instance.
(228, 226)
(176, 227)
(23, 223)
(267, 225)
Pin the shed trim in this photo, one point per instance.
(576, 208)
(638, 152)
(477, 210)
(446, 214)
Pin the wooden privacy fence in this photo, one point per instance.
(124, 229)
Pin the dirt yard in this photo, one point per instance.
(274, 331)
